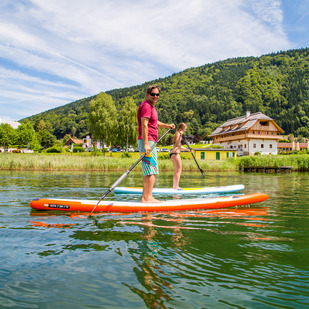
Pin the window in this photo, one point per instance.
(270, 146)
(254, 145)
(230, 154)
(262, 145)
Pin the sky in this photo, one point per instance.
(55, 52)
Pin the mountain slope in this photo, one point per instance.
(204, 97)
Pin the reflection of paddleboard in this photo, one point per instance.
(205, 190)
(169, 205)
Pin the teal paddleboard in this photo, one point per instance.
(204, 190)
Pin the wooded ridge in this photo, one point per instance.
(204, 97)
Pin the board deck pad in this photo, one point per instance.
(133, 206)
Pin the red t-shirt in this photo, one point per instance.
(148, 111)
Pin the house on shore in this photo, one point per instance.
(288, 147)
(249, 134)
(213, 153)
(73, 142)
(89, 142)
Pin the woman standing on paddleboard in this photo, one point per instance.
(175, 154)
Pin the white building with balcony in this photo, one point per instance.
(249, 134)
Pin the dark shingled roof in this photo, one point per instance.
(242, 123)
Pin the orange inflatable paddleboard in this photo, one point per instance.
(133, 206)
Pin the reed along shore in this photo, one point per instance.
(122, 162)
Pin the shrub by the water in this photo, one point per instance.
(78, 149)
(126, 155)
(53, 150)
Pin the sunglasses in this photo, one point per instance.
(154, 94)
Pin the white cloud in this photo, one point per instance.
(84, 47)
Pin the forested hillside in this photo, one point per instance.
(205, 97)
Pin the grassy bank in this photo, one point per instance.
(84, 161)
(87, 162)
(299, 162)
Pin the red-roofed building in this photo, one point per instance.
(287, 147)
(74, 141)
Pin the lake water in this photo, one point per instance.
(244, 257)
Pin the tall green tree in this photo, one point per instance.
(39, 125)
(127, 123)
(35, 144)
(25, 134)
(46, 139)
(66, 138)
(7, 136)
(103, 119)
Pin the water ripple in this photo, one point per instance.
(243, 257)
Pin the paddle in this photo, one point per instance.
(122, 177)
(193, 155)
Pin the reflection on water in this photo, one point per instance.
(244, 257)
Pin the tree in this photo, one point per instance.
(47, 139)
(103, 118)
(24, 135)
(35, 144)
(7, 135)
(39, 125)
(66, 138)
(127, 123)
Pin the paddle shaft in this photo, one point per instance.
(193, 155)
(122, 177)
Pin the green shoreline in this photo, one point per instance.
(88, 162)
(84, 162)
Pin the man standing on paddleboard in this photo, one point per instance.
(148, 124)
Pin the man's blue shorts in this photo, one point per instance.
(149, 163)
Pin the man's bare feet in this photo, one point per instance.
(152, 200)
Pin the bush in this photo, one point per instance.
(64, 150)
(216, 146)
(96, 153)
(302, 152)
(78, 149)
(54, 150)
(126, 155)
(164, 156)
(284, 141)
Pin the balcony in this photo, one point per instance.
(247, 136)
